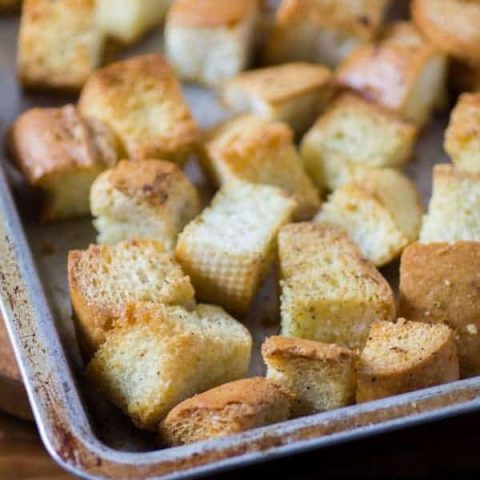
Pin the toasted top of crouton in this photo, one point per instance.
(49, 141)
(210, 13)
(141, 100)
(288, 347)
(282, 82)
(452, 25)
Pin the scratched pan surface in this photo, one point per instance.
(89, 437)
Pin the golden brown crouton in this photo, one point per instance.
(208, 41)
(329, 293)
(439, 283)
(294, 93)
(322, 31)
(403, 72)
(158, 355)
(143, 199)
(319, 375)
(225, 410)
(255, 150)
(103, 279)
(381, 210)
(353, 136)
(229, 248)
(405, 356)
(61, 153)
(462, 138)
(59, 44)
(141, 100)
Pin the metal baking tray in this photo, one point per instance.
(91, 438)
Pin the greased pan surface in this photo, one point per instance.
(89, 437)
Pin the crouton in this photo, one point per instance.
(59, 44)
(328, 292)
(439, 283)
(381, 210)
(451, 25)
(462, 138)
(129, 21)
(141, 100)
(225, 410)
(103, 279)
(403, 72)
(229, 248)
(322, 31)
(351, 137)
(208, 41)
(319, 375)
(61, 153)
(405, 356)
(143, 199)
(294, 93)
(158, 355)
(453, 212)
(251, 148)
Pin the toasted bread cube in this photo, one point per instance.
(231, 408)
(403, 72)
(451, 25)
(350, 138)
(462, 138)
(141, 100)
(103, 279)
(405, 356)
(453, 212)
(143, 199)
(59, 44)
(381, 210)
(61, 153)
(329, 293)
(252, 149)
(158, 355)
(129, 21)
(294, 93)
(208, 41)
(322, 31)
(439, 283)
(320, 375)
(229, 248)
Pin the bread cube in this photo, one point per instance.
(103, 279)
(381, 210)
(329, 293)
(229, 248)
(320, 375)
(322, 31)
(451, 25)
(225, 410)
(294, 93)
(351, 137)
(158, 355)
(403, 72)
(141, 100)
(59, 44)
(255, 150)
(208, 41)
(405, 356)
(439, 283)
(462, 138)
(61, 153)
(143, 199)
(453, 212)
(129, 21)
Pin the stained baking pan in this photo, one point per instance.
(92, 439)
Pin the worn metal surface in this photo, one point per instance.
(91, 438)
